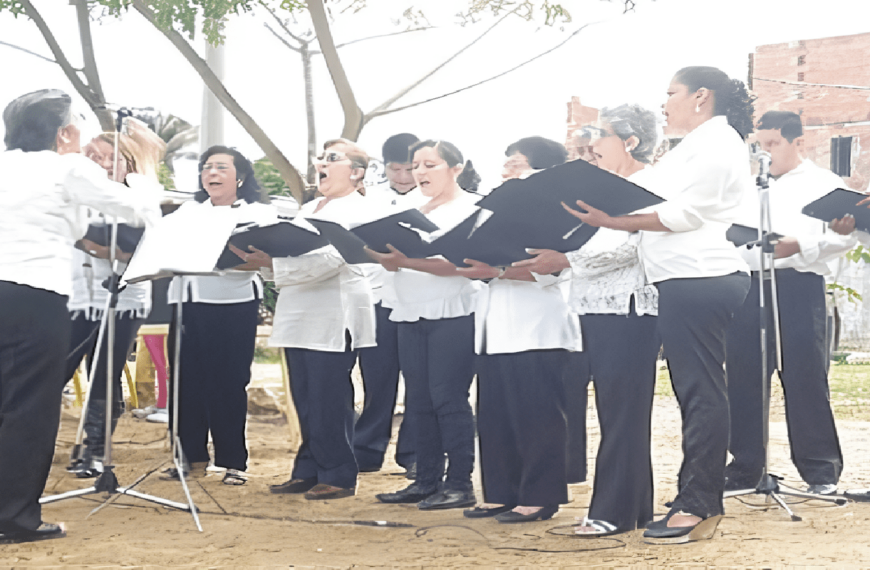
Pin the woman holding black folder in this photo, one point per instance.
(87, 303)
(324, 315)
(219, 327)
(699, 275)
(435, 310)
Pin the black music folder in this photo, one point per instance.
(836, 204)
(739, 235)
(278, 240)
(528, 213)
(401, 230)
(128, 236)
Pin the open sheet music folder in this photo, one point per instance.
(742, 235)
(278, 240)
(128, 236)
(402, 230)
(528, 213)
(836, 204)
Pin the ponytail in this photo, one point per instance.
(468, 179)
(730, 96)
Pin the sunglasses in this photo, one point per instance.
(331, 157)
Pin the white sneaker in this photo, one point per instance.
(144, 412)
(160, 416)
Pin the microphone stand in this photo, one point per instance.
(107, 482)
(769, 485)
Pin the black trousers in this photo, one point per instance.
(522, 427)
(621, 352)
(34, 338)
(437, 359)
(380, 373)
(815, 448)
(83, 340)
(694, 315)
(217, 348)
(323, 395)
(576, 401)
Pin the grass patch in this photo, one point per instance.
(266, 355)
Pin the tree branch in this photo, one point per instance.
(288, 173)
(386, 104)
(338, 46)
(353, 115)
(282, 40)
(283, 25)
(376, 113)
(27, 51)
(83, 16)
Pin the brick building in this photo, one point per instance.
(827, 82)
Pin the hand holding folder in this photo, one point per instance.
(838, 203)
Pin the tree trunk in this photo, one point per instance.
(353, 115)
(287, 171)
(309, 112)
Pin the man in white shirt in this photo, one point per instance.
(801, 266)
(380, 364)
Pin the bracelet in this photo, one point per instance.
(501, 272)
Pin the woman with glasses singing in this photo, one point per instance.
(219, 327)
(323, 316)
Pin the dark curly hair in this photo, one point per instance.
(249, 191)
(730, 97)
(468, 179)
(540, 152)
(787, 123)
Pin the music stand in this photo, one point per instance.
(769, 485)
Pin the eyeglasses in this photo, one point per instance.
(215, 166)
(331, 157)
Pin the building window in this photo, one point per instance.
(841, 156)
(802, 59)
(801, 76)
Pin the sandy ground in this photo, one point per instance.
(249, 527)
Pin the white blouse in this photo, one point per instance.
(320, 295)
(517, 316)
(89, 296)
(420, 295)
(788, 195)
(235, 286)
(606, 273)
(41, 214)
(704, 180)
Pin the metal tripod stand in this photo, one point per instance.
(769, 485)
(107, 482)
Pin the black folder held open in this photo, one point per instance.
(278, 240)
(836, 204)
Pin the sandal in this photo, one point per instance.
(659, 532)
(234, 477)
(600, 528)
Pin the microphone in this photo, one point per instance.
(763, 169)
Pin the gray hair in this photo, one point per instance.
(633, 120)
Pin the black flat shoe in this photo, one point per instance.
(659, 532)
(46, 531)
(544, 513)
(413, 493)
(293, 486)
(481, 513)
(448, 499)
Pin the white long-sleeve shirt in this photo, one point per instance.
(421, 295)
(704, 180)
(787, 196)
(320, 295)
(41, 214)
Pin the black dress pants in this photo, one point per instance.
(323, 395)
(694, 315)
(437, 359)
(622, 351)
(576, 401)
(522, 427)
(83, 340)
(217, 348)
(380, 373)
(34, 339)
(815, 448)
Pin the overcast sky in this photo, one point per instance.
(616, 59)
